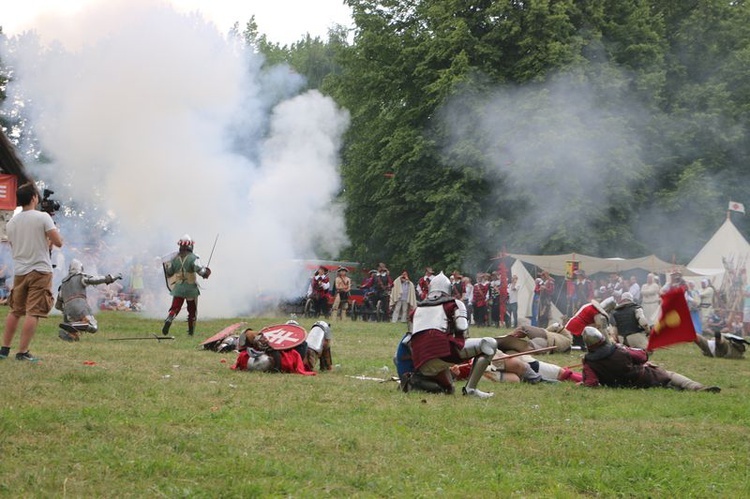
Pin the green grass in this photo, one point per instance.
(166, 419)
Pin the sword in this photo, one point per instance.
(152, 337)
(212, 250)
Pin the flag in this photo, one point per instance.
(675, 324)
(735, 206)
(7, 192)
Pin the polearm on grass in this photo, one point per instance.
(152, 337)
(519, 354)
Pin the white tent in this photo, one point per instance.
(526, 294)
(726, 245)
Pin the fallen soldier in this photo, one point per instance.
(278, 348)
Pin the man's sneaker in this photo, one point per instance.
(27, 357)
(4, 352)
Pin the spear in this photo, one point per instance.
(152, 337)
(519, 354)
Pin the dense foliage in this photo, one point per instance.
(613, 128)
(610, 128)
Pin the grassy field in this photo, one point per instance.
(104, 418)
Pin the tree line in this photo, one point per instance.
(611, 128)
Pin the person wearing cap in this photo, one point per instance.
(618, 366)
(423, 286)
(343, 286)
(320, 289)
(403, 298)
(181, 271)
(629, 323)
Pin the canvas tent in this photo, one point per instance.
(557, 264)
(526, 294)
(727, 249)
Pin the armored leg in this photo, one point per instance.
(482, 350)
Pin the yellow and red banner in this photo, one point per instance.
(675, 324)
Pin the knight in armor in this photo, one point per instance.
(73, 303)
(629, 323)
(618, 366)
(181, 272)
(319, 347)
(256, 354)
(592, 314)
(439, 340)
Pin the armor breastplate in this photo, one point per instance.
(72, 287)
(625, 320)
(430, 317)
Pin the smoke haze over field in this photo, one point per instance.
(156, 118)
(566, 152)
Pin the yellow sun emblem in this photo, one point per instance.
(671, 319)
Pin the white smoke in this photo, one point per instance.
(155, 117)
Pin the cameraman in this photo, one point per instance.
(31, 234)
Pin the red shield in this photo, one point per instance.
(224, 333)
(284, 336)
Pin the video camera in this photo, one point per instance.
(49, 205)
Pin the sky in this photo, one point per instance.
(283, 21)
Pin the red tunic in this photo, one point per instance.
(584, 317)
(435, 344)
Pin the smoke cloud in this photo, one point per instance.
(158, 123)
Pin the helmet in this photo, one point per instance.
(324, 326)
(592, 336)
(626, 296)
(185, 243)
(608, 304)
(440, 284)
(293, 323)
(75, 267)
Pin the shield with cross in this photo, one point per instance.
(284, 336)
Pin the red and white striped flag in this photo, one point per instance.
(735, 206)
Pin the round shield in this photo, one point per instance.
(284, 336)
(224, 333)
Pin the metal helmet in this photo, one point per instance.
(75, 267)
(626, 296)
(186, 242)
(293, 322)
(325, 327)
(608, 304)
(592, 336)
(440, 284)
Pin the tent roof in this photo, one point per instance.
(728, 244)
(557, 264)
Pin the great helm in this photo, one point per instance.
(592, 336)
(440, 284)
(185, 242)
(75, 267)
